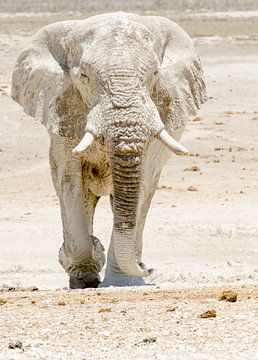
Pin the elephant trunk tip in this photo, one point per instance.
(135, 269)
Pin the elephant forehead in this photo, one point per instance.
(122, 85)
(119, 58)
(108, 34)
(123, 32)
(121, 66)
(120, 71)
(124, 82)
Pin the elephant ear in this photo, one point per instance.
(181, 89)
(41, 83)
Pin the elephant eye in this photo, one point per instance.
(84, 75)
(156, 72)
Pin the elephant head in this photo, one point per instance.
(123, 80)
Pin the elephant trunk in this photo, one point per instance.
(126, 171)
(127, 139)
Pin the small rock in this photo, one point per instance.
(150, 340)
(193, 168)
(165, 187)
(103, 310)
(30, 288)
(171, 309)
(208, 314)
(197, 118)
(11, 288)
(192, 188)
(15, 345)
(194, 154)
(236, 148)
(228, 295)
(228, 113)
(61, 303)
(2, 301)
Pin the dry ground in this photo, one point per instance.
(129, 324)
(192, 238)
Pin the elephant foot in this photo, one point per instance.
(79, 279)
(121, 280)
(84, 274)
(80, 283)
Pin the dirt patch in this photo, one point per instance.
(127, 323)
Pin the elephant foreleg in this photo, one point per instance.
(81, 254)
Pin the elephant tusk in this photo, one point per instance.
(172, 144)
(84, 144)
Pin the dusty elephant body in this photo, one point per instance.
(122, 86)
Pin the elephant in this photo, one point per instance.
(114, 92)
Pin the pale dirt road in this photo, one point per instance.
(192, 238)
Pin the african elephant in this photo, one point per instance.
(114, 92)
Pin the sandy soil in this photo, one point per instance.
(192, 238)
(94, 324)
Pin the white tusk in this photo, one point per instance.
(172, 144)
(84, 144)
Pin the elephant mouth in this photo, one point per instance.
(100, 182)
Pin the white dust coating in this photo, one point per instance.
(124, 78)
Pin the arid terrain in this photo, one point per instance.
(129, 324)
(201, 235)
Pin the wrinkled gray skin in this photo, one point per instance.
(123, 78)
